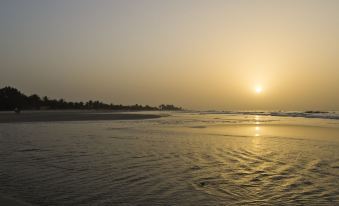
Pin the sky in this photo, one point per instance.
(195, 54)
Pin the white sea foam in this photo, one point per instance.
(307, 114)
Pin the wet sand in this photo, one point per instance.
(11, 201)
(182, 159)
(52, 116)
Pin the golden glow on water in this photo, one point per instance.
(256, 141)
(257, 119)
(257, 131)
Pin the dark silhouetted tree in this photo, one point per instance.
(11, 98)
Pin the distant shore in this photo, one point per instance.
(52, 116)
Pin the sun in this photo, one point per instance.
(258, 89)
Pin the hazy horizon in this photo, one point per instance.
(194, 54)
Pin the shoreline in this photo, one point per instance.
(55, 116)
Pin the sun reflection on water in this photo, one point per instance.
(257, 119)
(257, 131)
(256, 140)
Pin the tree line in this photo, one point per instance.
(12, 99)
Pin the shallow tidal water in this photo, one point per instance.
(182, 159)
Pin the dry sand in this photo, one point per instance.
(51, 116)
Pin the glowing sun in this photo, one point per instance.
(258, 89)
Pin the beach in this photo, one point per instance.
(52, 116)
(8, 201)
(159, 103)
(179, 159)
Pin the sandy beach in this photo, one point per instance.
(181, 159)
(52, 116)
(11, 201)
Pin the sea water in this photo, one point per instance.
(183, 159)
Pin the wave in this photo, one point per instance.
(304, 114)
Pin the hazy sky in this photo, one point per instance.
(196, 54)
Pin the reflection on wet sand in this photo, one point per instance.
(182, 159)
